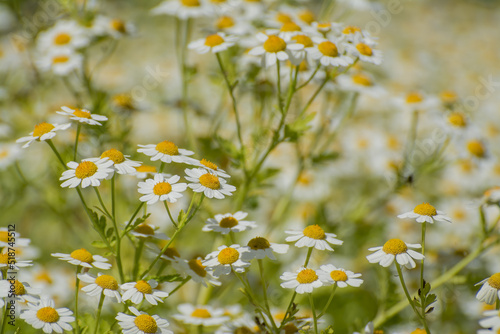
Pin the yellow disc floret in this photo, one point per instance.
(210, 181)
(494, 281)
(283, 18)
(228, 222)
(274, 44)
(47, 314)
(328, 49)
(307, 16)
(448, 96)
(4, 236)
(351, 30)
(304, 40)
(201, 313)
(414, 98)
(19, 289)
(361, 79)
(338, 275)
(208, 164)
(81, 113)
(395, 247)
(425, 209)
(171, 252)
(42, 128)
(457, 119)
(314, 232)
(146, 169)
(107, 282)
(60, 59)
(364, 49)
(4, 258)
(190, 3)
(228, 255)
(85, 169)
(167, 147)
(118, 25)
(306, 276)
(476, 148)
(62, 39)
(258, 243)
(290, 26)
(114, 155)
(146, 323)
(214, 40)
(196, 266)
(224, 22)
(144, 229)
(82, 255)
(162, 188)
(143, 287)
(419, 331)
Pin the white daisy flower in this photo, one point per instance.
(350, 33)
(196, 270)
(115, 28)
(142, 323)
(259, 248)
(106, 284)
(273, 49)
(9, 153)
(88, 172)
(211, 167)
(82, 115)
(416, 101)
(42, 131)
(490, 289)
(46, 317)
(161, 189)
(183, 9)
(232, 25)
(229, 223)
(329, 274)
(147, 231)
(359, 82)
(12, 263)
(225, 259)
(323, 28)
(7, 237)
(204, 315)
(211, 185)
(82, 257)
(137, 291)
(121, 163)
(395, 249)
(426, 213)
(166, 151)
(492, 321)
(300, 54)
(313, 236)
(329, 53)
(143, 171)
(61, 61)
(490, 196)
(287, 31)
(64, 34)
(23, 292)
(213, 43)
(365, 51)
(305, 280)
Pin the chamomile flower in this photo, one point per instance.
(7, 237)
(46, 317)
(142, 323)
(492, 320)
(12, 263)
(209, 184)
(259, 248)
(329, 53)
(305, 280)
(88, 172)
(415, 101)
(489, 292)
(196, 270)
(350, 33)
(167, 152)
(313, 236)
(82, 257)
(359, 82)
(183, 9)
(106, 284)
(298, 55)
(426, 213)
(22, 291)
(364, 50)
(61, 61)
(137, 291)
(146, 231)
(42, 131)
(329, 274)
(204, 315)
(395, 249)
(143, 171)
(287, 31)
(113, 27)
(273, 49)
(211, 167)
(161, 189)
(64, 34)
(225, 223)
(225, 259)
(476, 149)
(490, 197)
(215, 43)
(82, 115)
(121, 163)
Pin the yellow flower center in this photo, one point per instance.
(419, 331)
(107, 282)
(42, 128)
(324, 26)
(258, 243)
(167, 147)
(196, 266)
(448, 96)
(425, 209)
(44, 276)
(4, 236)
(62, 39)
(60, 59)
(228, 222)
(283, 18)
(414, 98)
(224, 22)
(85, 169)
(214, 40)
(162, 188)
(494, 281)
(82, 255)
(144, 287)
(47, 314)
(146, 169)
(351, 30)
(364, 49)
(118, 25)
(457, 119)
(210, 181)
(314, 232)
(290, 26)
(114, 155)
(19, 289)
(228, 256)
(208, 164)
(307, 16)
(304, 40)
(338, 275)
(361, 79)
(476, 148)
(243, 330)
(201, 313)
(328, 49)
(190, 3)
(4, 258)
(171, 252)
(395, 246)
(290, 328)
(144, 229)
(81, 113)
(306, 276)
(124, 101)
(274, 44)
(146, 323)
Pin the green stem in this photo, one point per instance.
(131, 220)
(328, 302)
(4, 321)
(102, 203)
(424, 224)
(310, 78)
(180, 285)
(51, 144)
(76, 140)
(169, 214)
(314, 313)
(313, 97)
(77, 290)
(137, 257)
(280, 104)
(117, 232)
(308, 257)
(98, 316)
(288, 310)
(264, 292)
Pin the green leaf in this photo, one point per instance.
(325, 157)
(98, 244)
(295, 129)
(168, 278)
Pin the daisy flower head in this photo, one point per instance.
(10, 263)
(143, 171)
(490, 290)
(46, 317)
(106, 284)
(298, 55)
(415, 100)
(214, 43)
(225, 223)
(137, 291)
(305, 280)
(313, 236)
(183, 9)
(89, 172)
(64, 34)
(211, 167)
(204, 315)
(121, 163)
(273, 49)
(426, 213)
(82, 257)
(161, 189)
(329, 53)
(146, 231)
(142, 323)
(492, 321)
(476, 149)
(364, 50)
(225, 259)
(196, 270)
(323, 28)
(209, 184)
(167, 152)
(259, 248)
(42, 131)
(329, 274)
(287, 30)
(395, 249)
(113, 27)
(350, 33)
(61, 61)
(82, 115)
(7, 237)
(22, 291)
(490, 196)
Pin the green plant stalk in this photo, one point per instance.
(98, 316)
(169, 214)
(424, 224)
(264, 292)
(77, 290)
(4, 321)
(137, 257)
(76, 140)
(308, 256)
(117, 232)
(314, 313)
(131, 220)
(329, 301)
